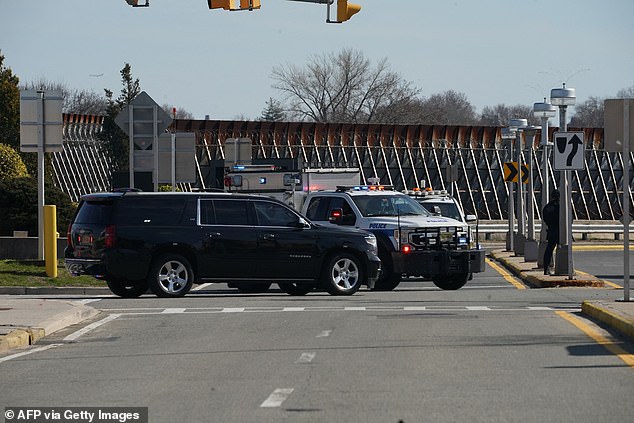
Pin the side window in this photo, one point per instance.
(348, 217)
(207, 215)
(189, 213)
(318, 209)
(231, 212)
(150, 211)
(272, 214)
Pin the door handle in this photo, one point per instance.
(268, 237)
(214, 235)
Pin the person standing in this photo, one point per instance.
(550, 216)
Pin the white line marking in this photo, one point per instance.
(277, 398)
(173, 310)
(415, 308)
(233, 310)
(90, 327)
(324, 334)
(89, 300)
(354, 308)
(34, 350)
(306, 358)
(477, 308)
(201, 286)
(294, 309)
(539, 308)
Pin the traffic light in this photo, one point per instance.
(135, 3)
(220, 4)
(232, 4)
(345, 10)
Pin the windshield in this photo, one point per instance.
(443, 209)
(388, 205)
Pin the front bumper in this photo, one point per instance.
(373, 269)
(435, 263)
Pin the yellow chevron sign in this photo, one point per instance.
(510, 172)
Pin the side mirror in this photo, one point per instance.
(336, 216)
(471, 218)
(302, 223)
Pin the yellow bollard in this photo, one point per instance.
(50, 241)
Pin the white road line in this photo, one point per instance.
(539, 308)
(202, 286)
(415, 308)
(324, 334)
(277, 398)
(477, 308)
(232, 310)
(354, 308)
(294, 309)
(34, 350)
(173, 310)
(306, 358)
(89, 300)
(90, 327)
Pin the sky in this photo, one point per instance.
(219, 63)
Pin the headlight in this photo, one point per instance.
(402, 235)
(370, 239)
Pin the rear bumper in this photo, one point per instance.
(76, 267)
(434, 263)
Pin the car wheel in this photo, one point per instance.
(343, 275)
(388, 280)
(451, 282)
(251, 287)
(170, 276)
(296, 289)
(127, 289)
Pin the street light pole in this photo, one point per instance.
(544, 111)
(508, 135)
(564, 97)
(518, 126)
(530, 246)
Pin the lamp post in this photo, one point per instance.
(544, 111)
(562, 98)
(518, 125)
(508, 136)
(530, 245)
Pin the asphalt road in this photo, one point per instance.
(489, 352)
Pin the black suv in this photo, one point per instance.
(168, 241)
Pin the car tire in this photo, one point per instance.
(388, 280)
(451, 282)
(170, 275)
(295, 289)
(343, 274)
(127, 289)
(251, 287)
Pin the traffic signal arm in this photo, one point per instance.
(232, 4)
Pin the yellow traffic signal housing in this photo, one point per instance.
(345, 10)
(232, 4)
(220, 4)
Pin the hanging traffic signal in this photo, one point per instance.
(220, 4)
(345, 10)
(232, 4)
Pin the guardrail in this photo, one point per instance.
(582, 228)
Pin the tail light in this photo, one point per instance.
(110, 236)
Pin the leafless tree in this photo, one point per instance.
(75, 101)
(589, 114)
(626, 92)
(501, 114)
(180, 112)
(343, 87)
(447, 108)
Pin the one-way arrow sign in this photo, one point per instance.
(568, 151)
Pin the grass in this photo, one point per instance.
(33, 273)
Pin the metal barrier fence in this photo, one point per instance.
(401, 155)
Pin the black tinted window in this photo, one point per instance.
(318, 209)
(272, 214)
(95, 213)
(150, 211)
(231, 212)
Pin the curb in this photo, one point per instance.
(603, 314)
(22, 337)
(535, 277)
(54, 290)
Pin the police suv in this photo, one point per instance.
(411, 241)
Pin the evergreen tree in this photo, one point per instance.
(113, 142)
(273, 112)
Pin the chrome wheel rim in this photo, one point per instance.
(173, 277)
(345, 274)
